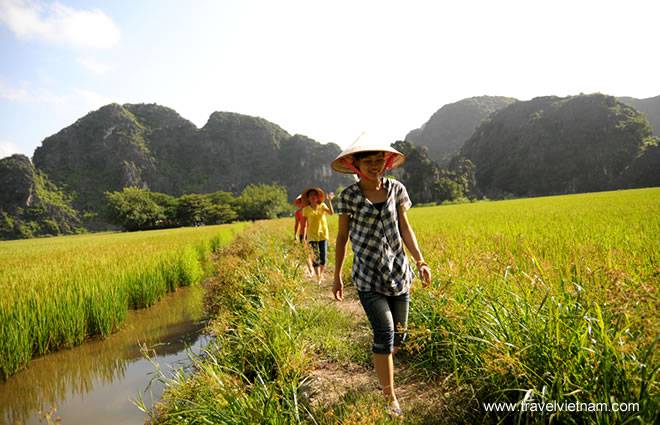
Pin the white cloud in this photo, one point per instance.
(60, 24)
(15, 94)
(94, 65)
(8, 149)
(27, 94)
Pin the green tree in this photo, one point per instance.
(643, 170)
(260, 201)
(462, 171)
(138, 209)
(223, 198)
(169, 205)
(220, 214)
(192, 210)
(224, 208)
(446, 189)
(7, 230)
(216, 208)
(419, 172)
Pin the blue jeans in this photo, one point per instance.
(320, 250)
(388, 316)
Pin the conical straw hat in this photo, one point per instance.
(344, 161)
(318, 190)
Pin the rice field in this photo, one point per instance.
(56, 292)
(548, 300)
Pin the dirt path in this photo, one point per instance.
(332, 380)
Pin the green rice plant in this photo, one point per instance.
(57, 292)
(550, 299)
(547, 299)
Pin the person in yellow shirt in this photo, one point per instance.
(316, 227)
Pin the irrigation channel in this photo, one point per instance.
(96, 383)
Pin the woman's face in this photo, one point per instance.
(313, 197)
(372, 166)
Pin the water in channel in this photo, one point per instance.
(96, 382)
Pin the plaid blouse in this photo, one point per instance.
(380, 263)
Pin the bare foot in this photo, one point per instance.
(394, 409)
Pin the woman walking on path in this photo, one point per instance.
(316, 227)
(299, 230)
(372, 212)
(299, 226)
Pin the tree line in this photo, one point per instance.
(135, 208)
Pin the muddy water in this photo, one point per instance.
(96, 382)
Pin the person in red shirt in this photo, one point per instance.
(299, 226)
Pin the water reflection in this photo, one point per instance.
(94, 383)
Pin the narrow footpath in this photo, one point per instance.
(333, 381)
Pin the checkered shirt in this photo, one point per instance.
(380, 263)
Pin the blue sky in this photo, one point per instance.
(329, 70)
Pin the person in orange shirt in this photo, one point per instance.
(316, 227)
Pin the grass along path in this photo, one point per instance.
(352, 383)
(285, 351)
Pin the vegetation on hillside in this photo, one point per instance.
(448, 128)
(152, 147)
(552, 145)
(644, 170)
(649, 107)
(427, 182)
(30, 204)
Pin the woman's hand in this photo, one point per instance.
(424, 273)
(331, 196)
(338, 289)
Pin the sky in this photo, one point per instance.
(328, 70)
